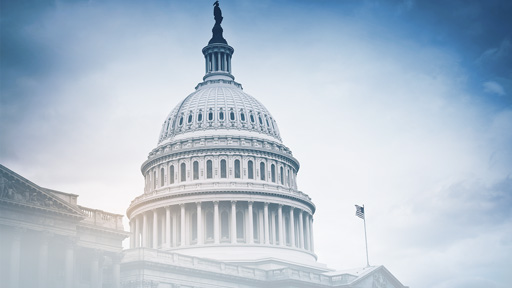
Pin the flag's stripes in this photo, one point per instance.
(360, 211)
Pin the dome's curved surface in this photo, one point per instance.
(219, 105)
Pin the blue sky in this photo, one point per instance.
(404, 106)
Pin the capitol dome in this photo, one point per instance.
(220, 183)
(219, 107)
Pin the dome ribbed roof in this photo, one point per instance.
(219, 105)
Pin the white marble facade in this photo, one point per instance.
(221, 206)
(48, 241)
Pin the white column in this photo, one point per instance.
(312, 246)
(206, 63)
(216, 222)
(145, 230)
(175, 229)
(218, 61)
(282, 241)
(137, 231)
(307, 237)
(14, 267)
(155, 229)
(261, 229)
(251, 236)
(292, 228)
(132, 234)
(182, 225)
(273, 227)
(42, 268)
(95, 270)
(163, 232)
(116, 271)
(301, 230)
(233, 222)
(199, 224)
(266, 223)
(168, 226)
(229, 63)
(69, 265)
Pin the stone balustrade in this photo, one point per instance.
(103, 219)
(268, 276)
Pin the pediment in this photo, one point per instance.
(16, 190)
(378, 277)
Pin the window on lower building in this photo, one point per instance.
(223, 169)
(196, 170)
(209, 169)
(183, 172)
(237, 168)
(171, 174)
(250, 169)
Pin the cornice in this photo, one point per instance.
(156, 197)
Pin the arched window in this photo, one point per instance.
(224, 225)
(262, 171)
(154, 179)
(189, 118)
(288, 176)
(196, 170)
(242, 116)
(261, 121)
(181, 120)
(162, 177)
(209, 225)
(210, 116)
(250, 169)
(194, 226)
(237, 168)
(221, 116)
(171, 174)
(209, 169)
(282, 175)
(223, 169)
(183, 168)
(252, 118)
(240, 225)
(232, 116)
(273, 172)
(199, 117)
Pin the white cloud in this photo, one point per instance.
(493, 87)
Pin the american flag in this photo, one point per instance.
(360, 211)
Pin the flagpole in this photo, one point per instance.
(365, 239)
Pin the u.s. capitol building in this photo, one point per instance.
(221, 207)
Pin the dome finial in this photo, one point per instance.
(217, 29)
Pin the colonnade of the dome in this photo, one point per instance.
(208, 223)
(220, 166)
(217, 58)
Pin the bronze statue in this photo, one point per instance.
(217, 29)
